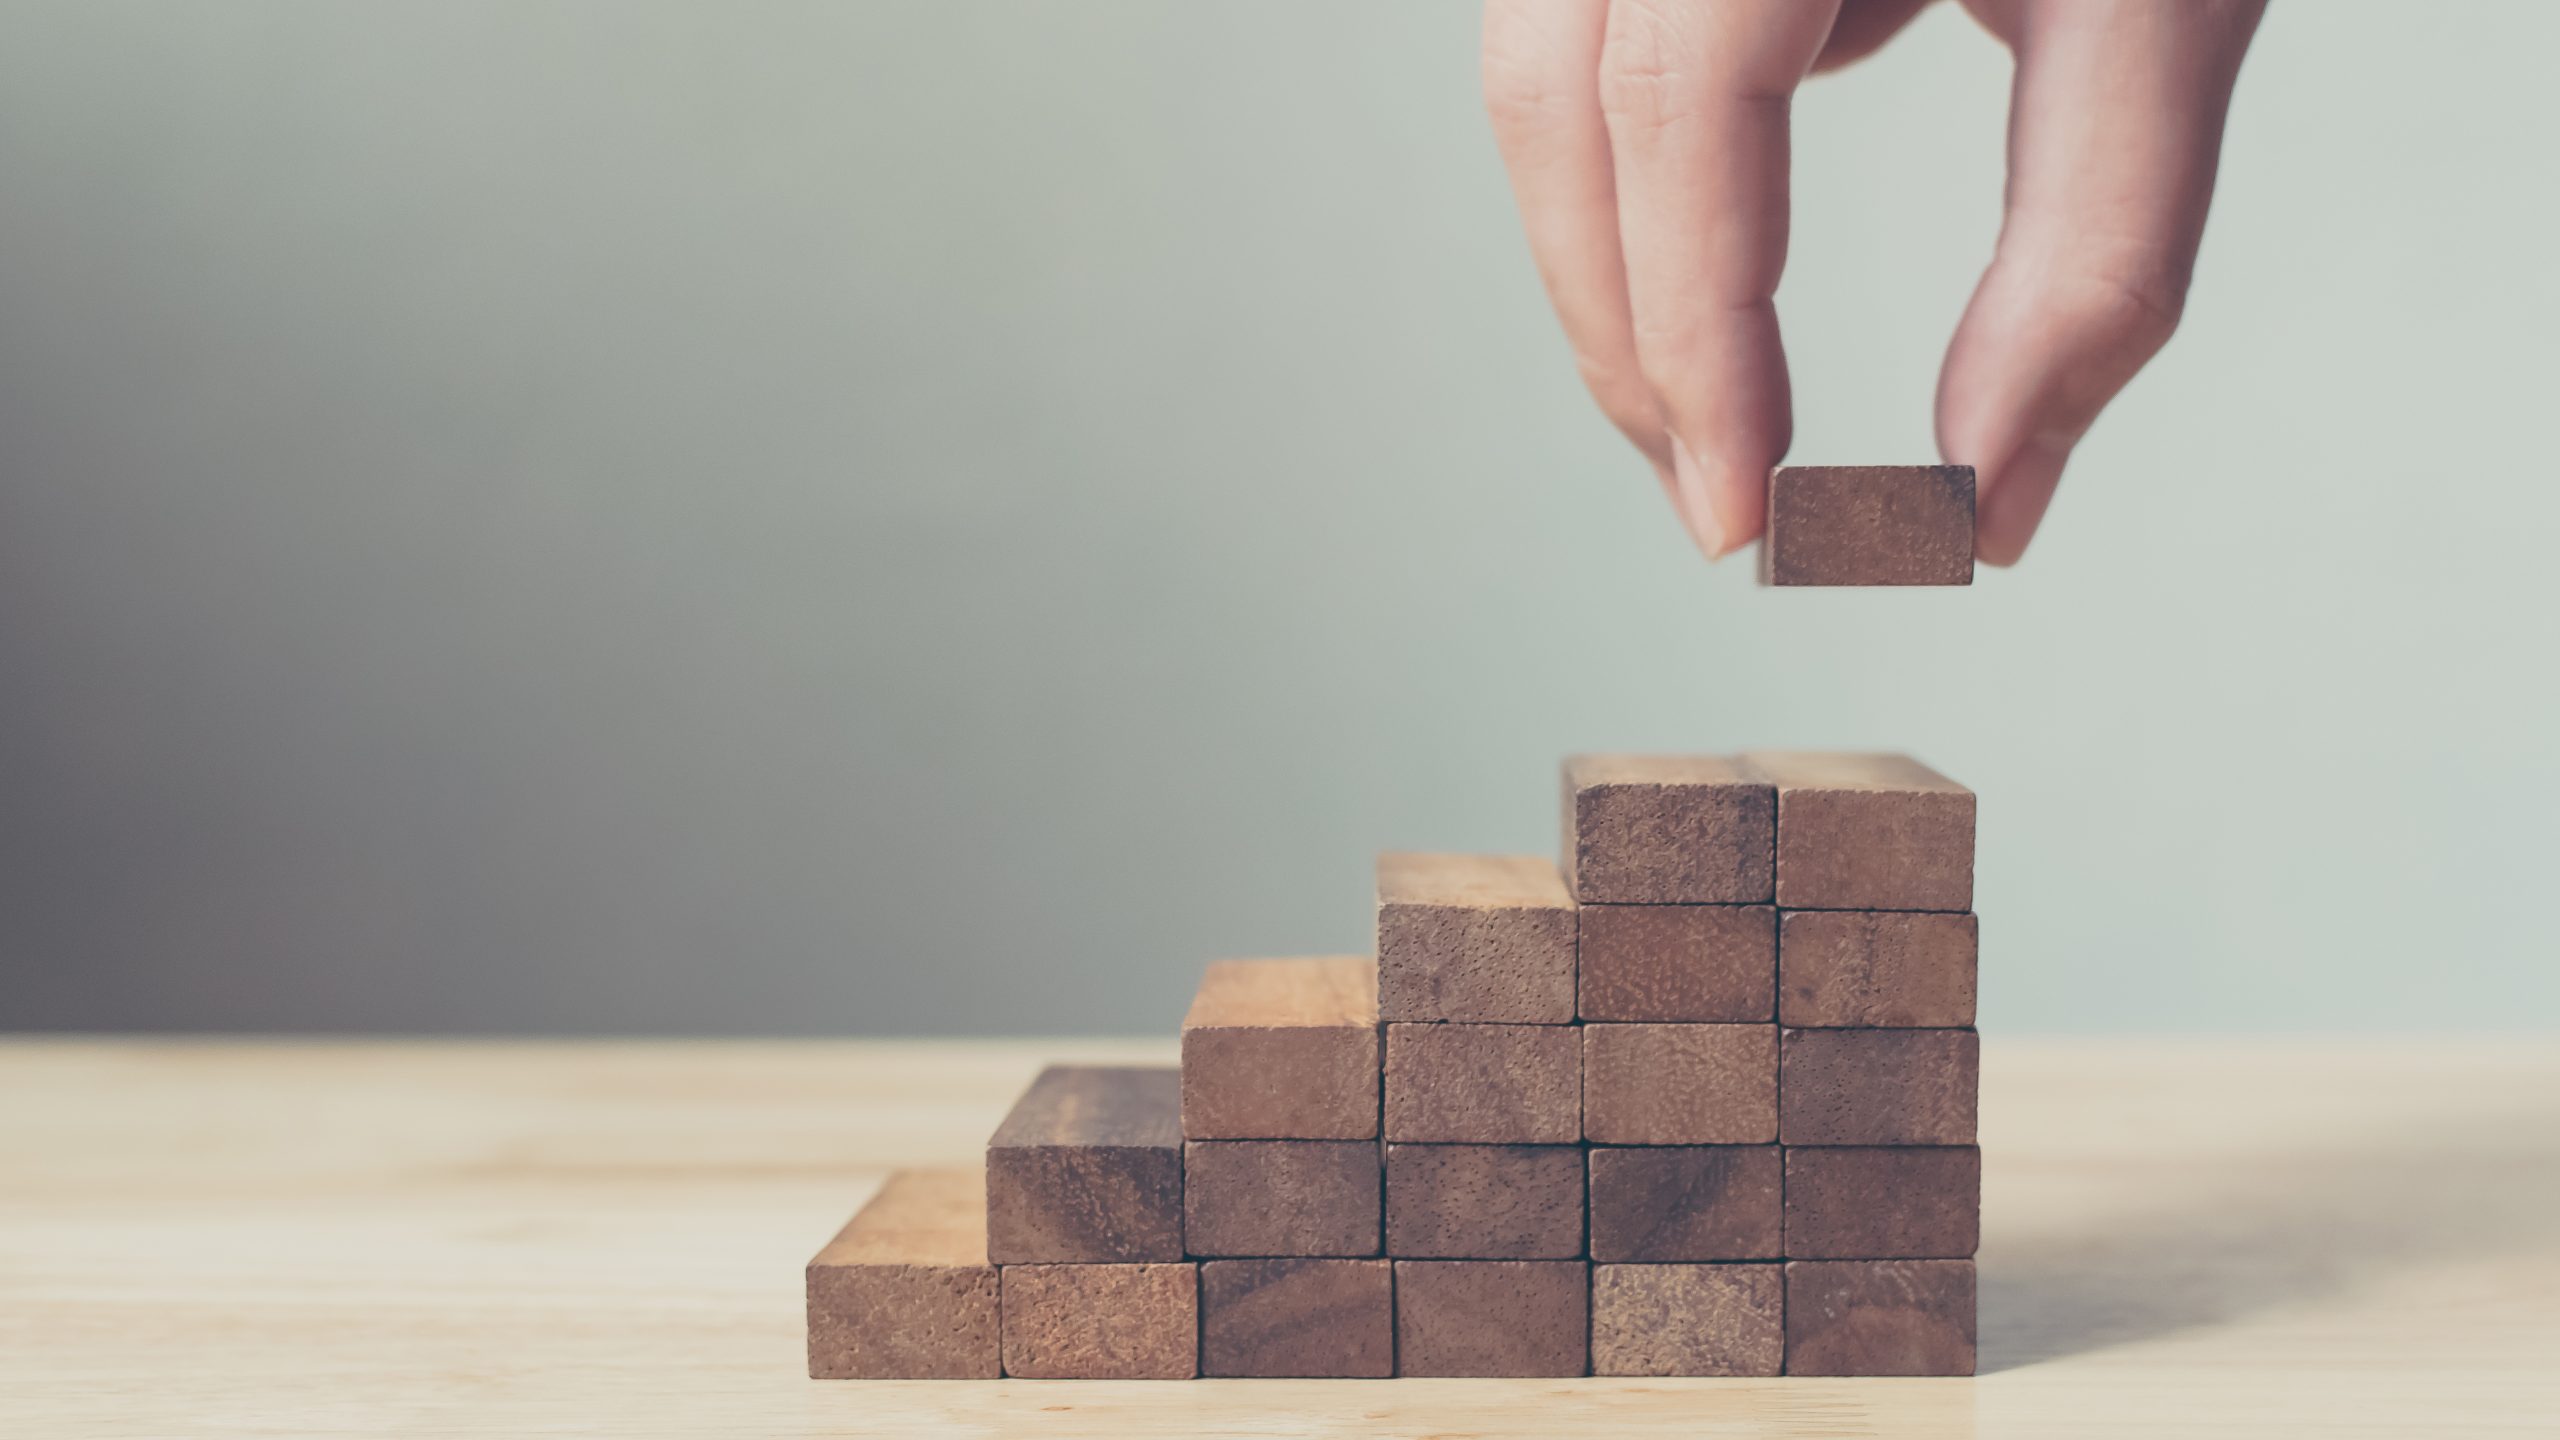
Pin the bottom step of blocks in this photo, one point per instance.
(904, 1291)
(1880, 1317)
(1102, 1322)
(1493, 1317)
(1687, 1320)
(1332, 1319)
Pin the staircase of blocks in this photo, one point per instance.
(1698, 1100)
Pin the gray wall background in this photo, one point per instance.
(943, 517)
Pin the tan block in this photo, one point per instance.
(1088, 1168)
(1688, 1320)
(1876, 968)
(1101, 1322)
(1280, 1197)
(1327, 1318)
(1680, 1084)
(1880, 1317)
(1484, 1084)
(1480, 938)
(1878, 1087)
(1869, 525)
(904, 1291)
(1868, 832)
(1283, 1050)
(1695, 963)
(1667, 830)
(1492, 1317)
(1484, 1202)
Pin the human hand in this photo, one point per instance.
(1647, 144)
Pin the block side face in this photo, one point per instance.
(1880, 1317)
(1686, 1204)
(1883, 1203)
(1877, 969)
(1649, 1084)
(1706, 964)
(1331, 1319)
(1100, 1322)
(1294, 1083)
(1484, 1084)
(1113, 1105)
(1879, 1087)
(918, 1217)
(1663, 844)
(1488, 1202)
(1869, 525)
(1085, 1204)
(874, 1321)
(1492, 1317)
(1281, 1197)
(1875, 850)
(1476, 964)
(1322, 991)
(1687, 1320)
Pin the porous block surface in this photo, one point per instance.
(1667, 830)
(1880, 1317)
(1101, 1322)
(1492, 1317)
(1687, 1320)
(1869, 525)
(1484, 1202)
(904, 1291)
(1283, 1050)
(1901, 1202)
(1868, 832)
(1333, 1319)
(1280, 1197)
(1485, 938)
(1484, 1084)
(1888, 968)
(1088, 1168)
(1686, 1203)
(1878, 1087)
(1680, 1084)
(1699, 963)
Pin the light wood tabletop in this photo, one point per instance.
(2206, 1238)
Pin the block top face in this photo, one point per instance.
(1095, 1105)
(1869, 525)
(1857, 771)
(1475, 882)
(1668, 830)
(1315, 992)
(920, 1217)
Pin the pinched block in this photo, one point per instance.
(1088, 1168)
(1878, 1087)
(1101, 1322)
(1492, 1317)
(1700, 963)
(1283, 1050)
(1902, 1202)
(1687, 1320)
(1280, 1197)
(1680, 1084)
(1888, 968)
(1484, 1084)
(1659, 1204)
(1486, 938)
(1868, 832)
(1666, 830)
(904, 1291)
(1484, 1202)
(1880, 1317)
(1869, 525)
(1325, 1318)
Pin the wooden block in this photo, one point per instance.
(1890, 968)
(1880, 1317)
(1492, 1317)
(904, 1291)
(1868, 832)
(1904, 1202)
(1283, 1050)
(1659, 1204)
(1484, 1202)
(1327, 1318)
(1280, 1197)
(1484, 938)
(1680, 1084)
(1484, 1084)
(1700, 963)
(1878, 1087)
(1101, 1322)
(1687, 1320)
(1667, 830)
(1088, 1168)
(1869, 525)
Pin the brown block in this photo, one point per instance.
(1474, 937)
(1280, 1197)
(1088, 1168)
(1680, 1084)
(1484, 1202)
(1101, 1322)
(1484, 1084)
(1869, 525)
(1868, 832)
(1326, 1318)
(1891, 968)
(904, 1291)
(1879, 1317)
(1667, 1203)
(1679, 962)
(1667, 830)
(1283, 1050)
(1878, 1087)
(1687, 1320)
(1492, 1317)
(1904, 1202)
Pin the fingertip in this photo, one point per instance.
(2012, 500)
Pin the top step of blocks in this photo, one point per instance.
(1869, 525)
(1868, 832)
(1668, 830)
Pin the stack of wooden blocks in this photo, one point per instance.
(1699, 1101)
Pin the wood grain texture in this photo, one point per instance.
(1484, 1084)
(1087, 1168)
(1283, 1050)
(904, 1290)
(1485, 938)
(1699, 963)
(1869, 525)
(1667, 830)
(2201, 1238)
(1859, 831)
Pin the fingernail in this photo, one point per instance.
(1695, 507)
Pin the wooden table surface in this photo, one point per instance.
(2203, 1238)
